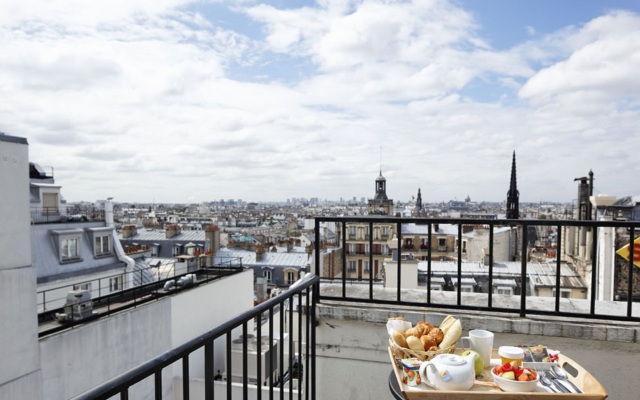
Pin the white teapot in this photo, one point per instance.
(449, 372)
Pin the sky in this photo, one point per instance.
(178, 101)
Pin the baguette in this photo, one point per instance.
(451, 334)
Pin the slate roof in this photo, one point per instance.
(46, 260)
(157, 235)
(297, 260)
(540, 273)
(443, 229)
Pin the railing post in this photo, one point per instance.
(398, 261)
(429, 237)
(631, 266)
(490, 288)
(344, 259)
(594, 270)
(523, 270)
(208, 371)
(558, 266)
(459, 288)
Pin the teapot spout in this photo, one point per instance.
(471, 357)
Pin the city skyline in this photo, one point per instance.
(191, 101)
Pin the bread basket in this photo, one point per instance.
(400, 352)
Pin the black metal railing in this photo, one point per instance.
(53, 299)
(583, 245)
(300, 355)
(132, 297)
(48, 215)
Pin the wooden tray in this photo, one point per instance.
(485, 389)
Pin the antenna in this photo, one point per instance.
(380, 160)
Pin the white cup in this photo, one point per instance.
(480, 341)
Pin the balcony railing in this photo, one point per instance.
(300, 353)
(587, 246)
(308, 294)
(48, 215)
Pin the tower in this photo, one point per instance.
(419, 202)
(381, 204)
(513, 196)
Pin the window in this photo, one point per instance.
(352, 248)
(267, 274)
(564, 293)
(504, 290)
(366, 266)
(367, 248)
(442, 244)
(385, 231)
(292, 276)
(352, 231)
(466, 289)
(385, 249)
(82, 286)
(115, 284)
(102, 245)
(154, 250)
(69, 249)
(50, 203)
(175, 251)
(352, 265)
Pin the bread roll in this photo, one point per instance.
(414, 343)
(427, 327)
(415, 331)
(398, 337)
(428, 341)
(452, 335)
(437, 334)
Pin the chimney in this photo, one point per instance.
(129, 231)
(212, 236)
(259, 254)
(172, 230)
(289, 246)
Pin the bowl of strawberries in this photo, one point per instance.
(511, 377)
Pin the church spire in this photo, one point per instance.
(419, 202)
(513, 196)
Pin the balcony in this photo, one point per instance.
(48, 215)
(340, 329)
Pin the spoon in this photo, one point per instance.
(561, 374)
(546, 382)
(555, 386)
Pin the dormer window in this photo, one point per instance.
(102, 245)
(68, 244)
(69, 249)
(101, 239)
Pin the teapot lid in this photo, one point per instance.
(451, 359)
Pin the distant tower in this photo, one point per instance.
(513, 211)
(381, 204)
(585, 191)
(381, 188)
(419, 202)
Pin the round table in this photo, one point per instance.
(394, 388)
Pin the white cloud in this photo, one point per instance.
(162, 102)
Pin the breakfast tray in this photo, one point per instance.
(485, 389)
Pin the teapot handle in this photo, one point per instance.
(423, 373)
